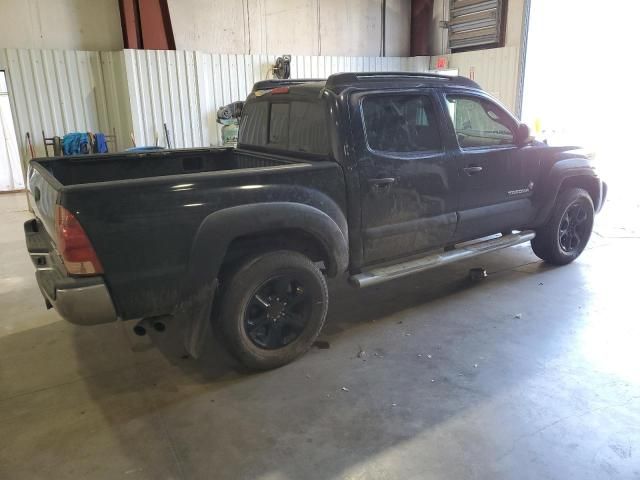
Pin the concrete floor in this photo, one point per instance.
(533, 373)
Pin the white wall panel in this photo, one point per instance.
(496, 70)
(61, 91)
(62, 24)
(185, 89)
(318, 27)
(323, 66)
(118, 109)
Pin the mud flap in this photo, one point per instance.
(196, 318)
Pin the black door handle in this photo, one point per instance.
(380, 185)
(472, 169)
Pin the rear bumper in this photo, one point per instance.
(79, 300)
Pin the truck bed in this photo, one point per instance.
(77, 170)
(141, 211)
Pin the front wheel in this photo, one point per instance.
(563, 238)
(273, 308)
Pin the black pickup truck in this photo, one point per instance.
(379, 175)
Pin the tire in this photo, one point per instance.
(273, 308)
(566, 234)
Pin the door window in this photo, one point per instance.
(401, 123)
(479, 123)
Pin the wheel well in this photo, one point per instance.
(590, 184)
(285, 239)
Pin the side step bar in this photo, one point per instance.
(383, 274)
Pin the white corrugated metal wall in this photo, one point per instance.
(118, 113)
(184, 89)
(58, 91)
(137, 91)
(496, 70)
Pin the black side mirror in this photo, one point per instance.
(523, 135)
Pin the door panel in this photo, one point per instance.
(495, 175)
(486, 206)
(408, 181)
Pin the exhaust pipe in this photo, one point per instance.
(156, 323)
(140, 329)
(159, 326)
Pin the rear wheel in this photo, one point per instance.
(563, 238)
(273, 308)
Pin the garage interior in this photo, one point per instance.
(530, 373)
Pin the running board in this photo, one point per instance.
(383, 274)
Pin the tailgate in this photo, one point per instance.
(80, 300)
(44, 191)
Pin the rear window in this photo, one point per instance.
(279, 125)
(295, 126)
(254, 123)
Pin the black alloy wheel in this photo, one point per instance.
(272, 308)
(573, 227)
(567, 231)
(278, 312)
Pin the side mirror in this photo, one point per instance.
(523, 135)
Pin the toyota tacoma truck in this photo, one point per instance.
(376, 175)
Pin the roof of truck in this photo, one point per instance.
(341, 81)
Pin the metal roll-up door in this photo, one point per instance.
(476, 23)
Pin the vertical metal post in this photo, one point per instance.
(146, 24)
(522, 62)
(421, 18)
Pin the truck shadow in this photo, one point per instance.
(350, 308)
(211, 409)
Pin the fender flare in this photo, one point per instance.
(560, 172)
(220, 228)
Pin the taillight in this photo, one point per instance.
(74, 246)
(278, 90)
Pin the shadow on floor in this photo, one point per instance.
(298, 421)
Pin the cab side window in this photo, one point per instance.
(479, 123)
(401, 123)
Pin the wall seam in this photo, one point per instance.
(522, 58)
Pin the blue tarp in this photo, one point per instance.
(101, 143)
(75, 143)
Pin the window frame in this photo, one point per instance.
(432, 97)
(513, 128)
